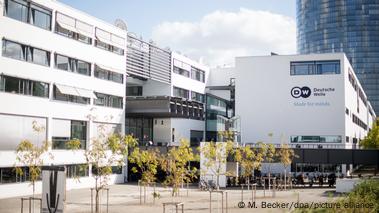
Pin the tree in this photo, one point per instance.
(147, 162)
(32, 156)
(176, 163)
(286, 156)
(270, 157)
(214, 157)
(245, 157)
(104, 152)
(371, 141)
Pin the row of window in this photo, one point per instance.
(315, 67)
(36, 15)
(28, 12)
(359, 122)
(9, 175)
(183, 93)
(23, 86)
(188, 71)
(42, 57)
(41, 89)
(316, 139)
(354, 84)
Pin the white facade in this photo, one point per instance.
(55, 115)
(169, 129)
(270, 100)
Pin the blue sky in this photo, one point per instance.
(211, 31)
(143, 15)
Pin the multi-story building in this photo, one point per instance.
(302, 100)
(306, 101)
(61, 69)
(343, 26)
(165, 95)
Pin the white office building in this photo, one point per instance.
(304, 100)
(165, 95)
(58, 66)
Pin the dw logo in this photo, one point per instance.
(303, 92)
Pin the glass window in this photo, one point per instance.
(17, 9)
(12, 85)
(26, 53)
(69, 98)
(316, 139)
(197, 97)
(84, 68)
(40, 17)
(24, 87)
(72, 65)
(179, 92)
(79, 131)
(134, 91)
(315, 68)
(28, 12)
(181, 71)
(109, 101)
(197, 74)
(13, 50)
(61, 62)
(108, 75)
(40, 56)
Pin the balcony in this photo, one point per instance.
(164, 107)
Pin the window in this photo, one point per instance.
(40, 17)
(181, 71)
(79, 131)
(197, 97)
(359, 122)
(110, 42)
(73, 28)
(179, 92)
(69, 98)
(25, 53)
(316, 139)
(72, 65)
(109, 101)
(9, 175)
(134, 91)
(197, 74)
(315, 67)
(17, 10)
(23, 86)
(28, 12)
(108, 75)
(108, 47)
(77, 170)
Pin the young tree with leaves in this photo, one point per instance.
(104, 152)
(286, 155)
(146, 163)
(32, 156)
(270, 158)
(371, 141)
(176, 163)
(214, 156)
(245, 157)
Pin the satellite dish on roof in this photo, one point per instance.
(120, 24)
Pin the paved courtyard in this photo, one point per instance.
(125, 198)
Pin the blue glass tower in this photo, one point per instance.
(350, 26)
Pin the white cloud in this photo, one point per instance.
(220, 36)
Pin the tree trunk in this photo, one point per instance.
(97, 205)
(285, 179)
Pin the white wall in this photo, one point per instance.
(265, 104)
(186, 82)
(48, 108)
(184, 126)
(162, 130)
